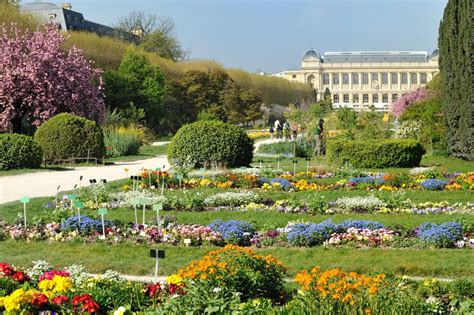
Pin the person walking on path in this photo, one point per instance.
(271, 132)
(278, 128)
(318, 135)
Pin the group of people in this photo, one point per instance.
(289, 132)
(286, 130)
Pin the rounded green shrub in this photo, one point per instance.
(19, 151)
(208, 143)
(376, 153)
(66, 136)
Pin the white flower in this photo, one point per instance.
(217, 290)
(120, 311)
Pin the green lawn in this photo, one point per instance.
(134, 258)
(145, 152)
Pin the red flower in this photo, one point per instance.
(39, 299)
(20, 277)
(90, 306)
(59, 300)
(50, 274)
(6, 270)
(153, 290)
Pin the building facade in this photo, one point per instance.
(360, 80)
(69, 20)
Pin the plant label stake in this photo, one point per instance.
(163, 186)
(144, 202)
(24, 200)
(187, 242)
(102, 212)
(294, 166)
(79, 205)
(157, 254)
(149, 178)
(57, 192)
(179, 177)
(278, 163)
(71, 198)
(135, 202)
(157, 207)
(307, 166)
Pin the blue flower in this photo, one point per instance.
(87, 224)
(440, 235)
(360, 224)
(378, 180)
(310, 234)
(233, 231)
(433, 184)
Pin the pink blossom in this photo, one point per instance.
(39, 79)
(401, 105)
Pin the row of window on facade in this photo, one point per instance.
(365, 98)
(375, 77)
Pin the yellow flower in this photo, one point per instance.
(57, 285)
(13, 302)
(174, 279)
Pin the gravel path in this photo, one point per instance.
(42, 184)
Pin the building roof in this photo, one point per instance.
(375, 56)
(311, 54)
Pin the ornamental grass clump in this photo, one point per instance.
(440, 235)
(237, 269)
(233, 231)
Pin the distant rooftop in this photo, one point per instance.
(375, 56)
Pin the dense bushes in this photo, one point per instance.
(211, 143)
(65, 136)
(381, 153)
(19, 151)
(283, 149)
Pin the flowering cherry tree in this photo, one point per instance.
(401, 104)
(38, 79)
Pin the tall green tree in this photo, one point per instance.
(138, 83)
(456, 33)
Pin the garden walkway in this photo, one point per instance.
(42, 184)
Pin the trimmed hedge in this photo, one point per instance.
(66, 136)
(207, 143)
(19, 151)
(376, 153)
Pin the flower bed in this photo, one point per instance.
(228, 280)
(220, 232)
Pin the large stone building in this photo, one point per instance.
(69, 20)
(359, 80)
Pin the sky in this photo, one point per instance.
(272, 35)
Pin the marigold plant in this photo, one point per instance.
(339, 286)
(240, 270)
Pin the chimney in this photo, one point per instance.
(67, 6)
